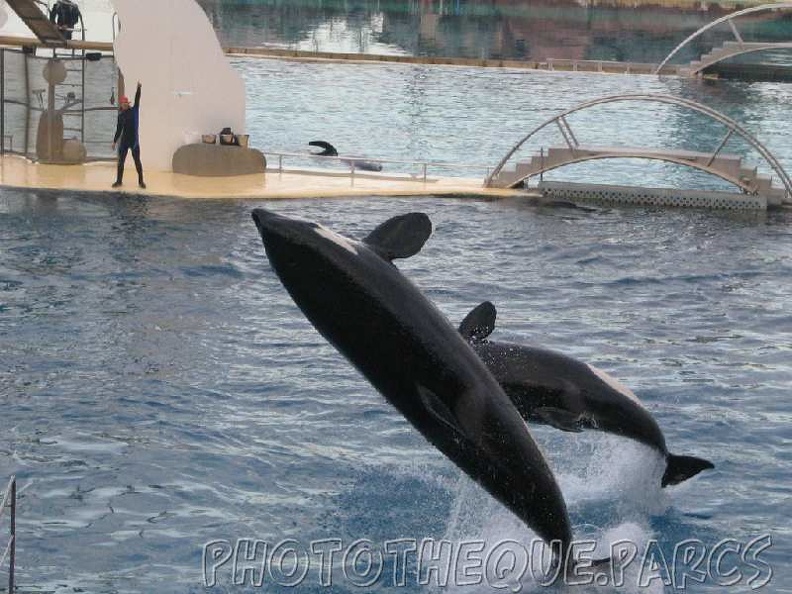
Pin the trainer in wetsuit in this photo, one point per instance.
(127, 132)
(65, 14)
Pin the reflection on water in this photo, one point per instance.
(480, 29)
(495, 29)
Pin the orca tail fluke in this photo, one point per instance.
(681, 468)
(328, 150)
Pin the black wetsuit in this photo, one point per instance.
(65, 15)
(127, 132)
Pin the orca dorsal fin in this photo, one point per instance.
(479, 323)
(400, 237)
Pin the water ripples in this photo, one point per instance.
(160, 389)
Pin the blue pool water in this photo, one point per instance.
(161, 391)
(474, 116)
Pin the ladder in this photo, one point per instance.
(38, 22)
(74, 59)
(74, 121)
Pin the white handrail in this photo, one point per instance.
(352, 159)
(660, 98)
(729, 17)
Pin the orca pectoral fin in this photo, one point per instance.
(479, 323)
(559, 418)
(437, 408)
(400, 237)
(681, 468)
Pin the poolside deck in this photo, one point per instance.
(18, 172)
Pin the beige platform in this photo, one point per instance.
(18, 172)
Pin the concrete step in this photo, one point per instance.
(505, 179)
(763, 184)
(524, 168)
(747, 172)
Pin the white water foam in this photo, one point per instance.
(615, 486)
(617, 469)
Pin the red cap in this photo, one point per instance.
(123, 99)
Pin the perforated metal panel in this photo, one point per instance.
(651, 196)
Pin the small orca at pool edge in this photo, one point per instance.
(328, 150)
(557, 390)
(382, 323)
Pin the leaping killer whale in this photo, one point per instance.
(557, 390)
(328, 150)
(359, 301)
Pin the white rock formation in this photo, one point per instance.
(189, 88)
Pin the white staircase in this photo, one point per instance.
(730, 167)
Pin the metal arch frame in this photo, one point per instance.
(744, 50)
(730, 124)
(727, 18)
(747, 188)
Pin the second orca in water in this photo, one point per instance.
(328, 150)
(557, 390)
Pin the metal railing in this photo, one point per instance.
(353, 166)
(728, 18)
(732, 127)
(9, 502)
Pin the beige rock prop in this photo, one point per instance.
(212, 160)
